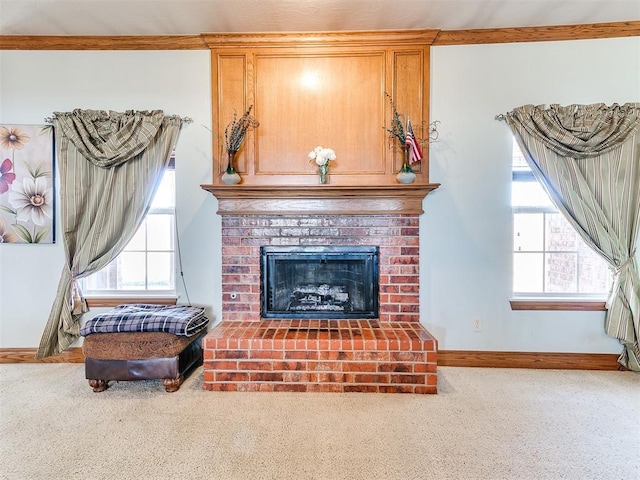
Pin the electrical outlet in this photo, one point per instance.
(477, 325)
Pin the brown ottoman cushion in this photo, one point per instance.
(134, 346)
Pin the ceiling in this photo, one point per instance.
(184, 17)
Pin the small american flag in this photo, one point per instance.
(415, 154)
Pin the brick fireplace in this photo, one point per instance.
(391, 353)
(279, 202)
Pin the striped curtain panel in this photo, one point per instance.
(587, 157)
(110, 165)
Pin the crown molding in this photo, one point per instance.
(538, 34)
(433, 37)
(97, 42)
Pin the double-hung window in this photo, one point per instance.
(146, 266)
(550, 260)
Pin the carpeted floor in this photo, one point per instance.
(484, 424)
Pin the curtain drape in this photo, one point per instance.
(587, 157)
(110, 165)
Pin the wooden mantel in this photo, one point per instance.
(321, 199)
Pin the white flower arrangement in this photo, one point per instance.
(322, 156)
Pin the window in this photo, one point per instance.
(549, 257)
(147, 264)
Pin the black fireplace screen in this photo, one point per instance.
(319, 282)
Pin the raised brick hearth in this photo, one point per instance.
(320, 356)
(394, 353)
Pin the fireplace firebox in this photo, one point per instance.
(319, 282)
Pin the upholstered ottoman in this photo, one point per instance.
(143, 342)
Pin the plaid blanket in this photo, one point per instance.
(176, 319)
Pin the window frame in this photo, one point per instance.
(546, 300)
(112, 297)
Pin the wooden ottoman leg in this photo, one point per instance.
(98, 385)
(172, 384)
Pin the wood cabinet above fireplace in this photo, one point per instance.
(314, 89)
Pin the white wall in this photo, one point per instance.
(466, 230)
(467, 226)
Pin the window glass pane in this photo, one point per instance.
(517, 158)
(165, 196)
(594, 275)
(561, 273)
(527, 272)
(159, 228)
(137, 242)
(99, 280)
(560, 235)
(528, 229)
(160, 270)
(131, 271)
(529, 194)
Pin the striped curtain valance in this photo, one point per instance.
(107, 139)
(578, 131)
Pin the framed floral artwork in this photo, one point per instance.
(26, 184)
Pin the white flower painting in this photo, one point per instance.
(26, 184)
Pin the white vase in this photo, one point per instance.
(230, 176)
(406, 173)
(406, 176)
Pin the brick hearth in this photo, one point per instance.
(320, 356)
(392, 354)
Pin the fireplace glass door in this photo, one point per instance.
(319, 282)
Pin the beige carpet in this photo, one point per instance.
(484, 424)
